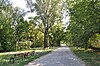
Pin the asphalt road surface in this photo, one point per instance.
(61, 56)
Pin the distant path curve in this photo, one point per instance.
(61, 56)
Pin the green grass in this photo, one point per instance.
(90, 57)
(4, 58)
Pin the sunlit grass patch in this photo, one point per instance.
(20, 61)
(90, 57)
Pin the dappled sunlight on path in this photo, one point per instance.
(59, 57)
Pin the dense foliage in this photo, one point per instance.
(46, 28)
(18, 34)
(48, 12)
(84, 21)
(6, 30)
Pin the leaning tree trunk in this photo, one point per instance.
(45, 38)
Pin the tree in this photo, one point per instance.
(56, 34)
(84, 22)
(48, 11)
(12, 26)
(6, 30)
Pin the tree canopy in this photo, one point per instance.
(48, 12)
(46, 28)
(84, 20)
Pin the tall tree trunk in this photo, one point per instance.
(58, 43)
(45, 38)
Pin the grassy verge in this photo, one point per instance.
(90, 57)
(4, 58)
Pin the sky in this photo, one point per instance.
(22, 4)
(19, 3)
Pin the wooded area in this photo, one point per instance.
(84, 28)
(46, 29)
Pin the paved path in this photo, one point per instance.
(59, 57)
